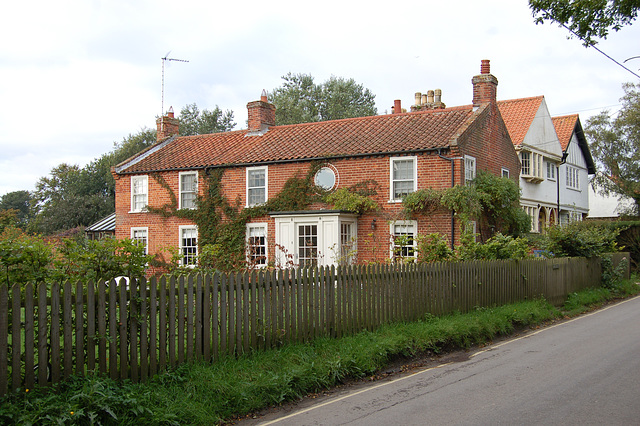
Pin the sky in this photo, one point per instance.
(76, 76)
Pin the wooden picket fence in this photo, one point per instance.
(135, 329)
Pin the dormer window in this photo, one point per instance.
(531, 166)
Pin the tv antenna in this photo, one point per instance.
(165, 59)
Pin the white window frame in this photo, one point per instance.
(265, 187)
(181, 232)
(392, 181)
(137, 239)
(182, 191)
(532, 167)
(144, 193)
(552, 171)
(414, 245)
(573, 178)
(505, 173)
(263, 262)
(469, 169)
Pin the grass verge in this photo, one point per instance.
(207, 394)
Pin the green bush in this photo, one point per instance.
(433, 248)
(581, 239)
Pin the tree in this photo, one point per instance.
(20, 201)
(66, 199)
(300, 100)
(587, 19)
(196, 122)
(615, 143)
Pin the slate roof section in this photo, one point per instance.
(380, 134)
(518, 115)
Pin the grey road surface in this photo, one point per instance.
(585, 371)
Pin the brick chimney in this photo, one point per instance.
(397, 107)
(485, 85)
(167, 126)
(262, 114)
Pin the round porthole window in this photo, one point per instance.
(325, 178)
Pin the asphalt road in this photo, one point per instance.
(585, 371)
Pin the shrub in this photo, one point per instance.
(433, 248)
(581, 239)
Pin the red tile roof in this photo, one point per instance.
(518, 115)
(408, 132)
(565, 126)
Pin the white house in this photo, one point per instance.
(555, 161)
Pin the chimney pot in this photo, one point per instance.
(430, 96)
(424, 99)
(438, 95)
(418, 98)
(485, 85)
(263, 96)
(485, 68)
(397, 106)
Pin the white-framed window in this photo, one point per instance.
(188, 245)
(505, 172)
(551, 170)
(140, 235)
(573, 177)
(139, 193)
(325, 178)
(188, 189)
(257, 179)
(403, 239)
(469, 169)
(347, 243)
(532, 166)
(404, 177)
(257, 244)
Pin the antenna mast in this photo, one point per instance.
(166, 58)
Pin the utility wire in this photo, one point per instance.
(594, 46)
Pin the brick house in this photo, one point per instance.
(555, 159)
(435, 147)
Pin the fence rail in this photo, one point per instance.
(134, 330)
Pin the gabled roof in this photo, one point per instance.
(568, 125)
(565, 126)
(518, 115)
(380, 134)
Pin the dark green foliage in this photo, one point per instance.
(433, 248)
(588, 20)
(23, 258)
(29, 259)
(423, 201)
(491, 200)
(196, 122)
(346, 200)
(300, 100)
(72, 196)
(497, 247)
(581, 239)
(20, 201)
(500, 203)
(615, 144)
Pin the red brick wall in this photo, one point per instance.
(486, 139)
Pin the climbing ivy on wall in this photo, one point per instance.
(222, 223)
